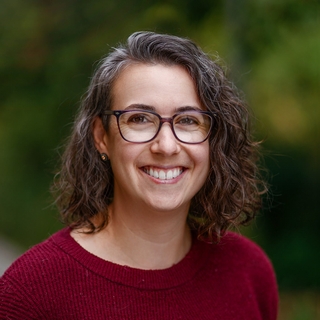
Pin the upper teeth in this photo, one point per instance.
(164, 175)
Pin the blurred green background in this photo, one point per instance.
(272, 49)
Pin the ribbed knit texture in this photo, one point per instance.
(58, 279)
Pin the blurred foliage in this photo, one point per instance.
(48, 52)
(299, 306)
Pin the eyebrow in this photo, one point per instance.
(188, 108)
(141, 106)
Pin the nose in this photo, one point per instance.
(165, 142)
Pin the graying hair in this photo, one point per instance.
(232, 192)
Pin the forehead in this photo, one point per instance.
(156, 85)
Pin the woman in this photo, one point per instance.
(159, 165)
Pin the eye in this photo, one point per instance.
(187, 120)
(137, 118)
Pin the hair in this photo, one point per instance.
(231, 195)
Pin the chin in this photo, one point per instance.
(166, 205)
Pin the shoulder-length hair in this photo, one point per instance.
(231, 195)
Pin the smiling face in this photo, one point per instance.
(163, 174)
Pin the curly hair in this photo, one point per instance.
(231, 195)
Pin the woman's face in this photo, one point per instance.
(163, 174)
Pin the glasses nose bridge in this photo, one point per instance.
(168, 120)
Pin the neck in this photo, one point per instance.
(141, 238)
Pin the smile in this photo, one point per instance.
(163, 174)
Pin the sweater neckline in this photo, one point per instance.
(176, 275)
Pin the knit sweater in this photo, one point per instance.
(58, 279)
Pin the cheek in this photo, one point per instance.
(202, 156)
(204, 162)
(123, 157)
(112, 139)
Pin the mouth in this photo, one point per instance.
(163, 174)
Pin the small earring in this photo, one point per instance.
(104, 157)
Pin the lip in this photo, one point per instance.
(164, 175)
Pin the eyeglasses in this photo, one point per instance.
(141, 126)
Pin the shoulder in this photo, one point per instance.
(27, 280)
(38, 258)
(240, 258)
(237, 244)
(245, 264)
(238, 252)
(41, 266)
(240, 268)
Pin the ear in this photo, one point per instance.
(99, 136)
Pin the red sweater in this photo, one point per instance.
(58, 279)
